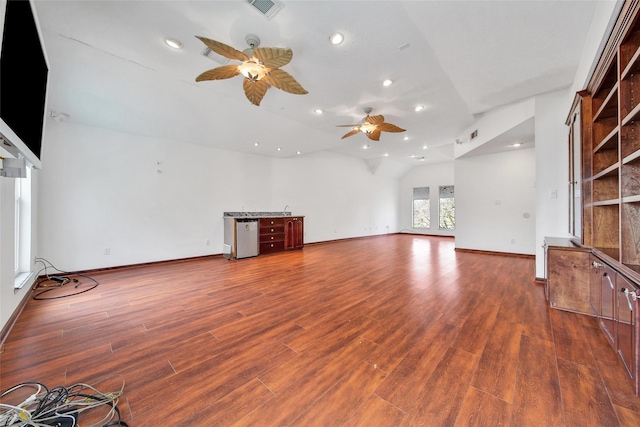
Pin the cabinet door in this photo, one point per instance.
(608, 303)
(568, 279)
(293, 232)
(627, 308)
(594, 286)
(299, 231)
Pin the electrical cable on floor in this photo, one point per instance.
(60, 406)
(49, 282)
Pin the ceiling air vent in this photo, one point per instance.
(268, 8)
(214, 56)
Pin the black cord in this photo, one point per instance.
(59, 281)
(59, 402)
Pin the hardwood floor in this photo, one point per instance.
(396, 330)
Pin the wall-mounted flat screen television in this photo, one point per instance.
(24, 72)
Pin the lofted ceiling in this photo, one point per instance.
(110, 68)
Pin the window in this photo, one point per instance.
(16, 228)
(22, 230)
(447, 212)
(421, 208)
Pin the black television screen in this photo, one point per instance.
(23, 81)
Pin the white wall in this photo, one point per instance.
(9, 298)
(102, 190)
(551, 111)
(552, 171)
(432, 176)
(338, 195)
(495, 202)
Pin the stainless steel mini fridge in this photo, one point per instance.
(246, 238)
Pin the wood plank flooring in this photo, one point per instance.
(396, 330)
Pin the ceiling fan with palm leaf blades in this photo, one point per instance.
(260, 67)
(372, 126)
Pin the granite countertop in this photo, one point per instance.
(257, 214)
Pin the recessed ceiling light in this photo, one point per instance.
(421, 159)
(173, 43)
(364, 147)
(406, 138)
(255, 144)
(386, 154)
(517, 144)
(298, 153)
(279, 148)
(413, 156)
(387, 82)
(318, 111)
(424, 147)
(336, 38)
(419, 108)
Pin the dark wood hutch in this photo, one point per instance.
(598, 272)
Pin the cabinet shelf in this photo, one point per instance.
(632, 66)
(632, 116)
(610, 202)
(608, 172)
(609, 142)
(633, 157)
(609, 107)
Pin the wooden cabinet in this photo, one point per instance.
(611, 139)
(617, 309)
(609, 133)
(271, 235)
(294, 233)
(567, 265)
(278, 234)
(627, 325)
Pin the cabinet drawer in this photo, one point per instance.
(274, 229)
(269, 222)
(274, 237)
(268, 247)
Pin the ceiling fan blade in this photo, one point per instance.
(223, 49)
(284, 81)
(349, 126)
(220, 73)
(388, 127)
(255, 90)
(375, 135)
(353, 132)
(273, 57)
(374, 120)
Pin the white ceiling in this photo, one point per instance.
(111, 69)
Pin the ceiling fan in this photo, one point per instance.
(372, 126)
(260, 67)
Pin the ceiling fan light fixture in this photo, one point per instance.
(173, 43)
(336, 38)
(368, 128)
(252, 70)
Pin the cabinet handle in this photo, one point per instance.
(272, 245)
(272, 230)
(609, 279)
(271, 222)
(271, 237)
(626, 293)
